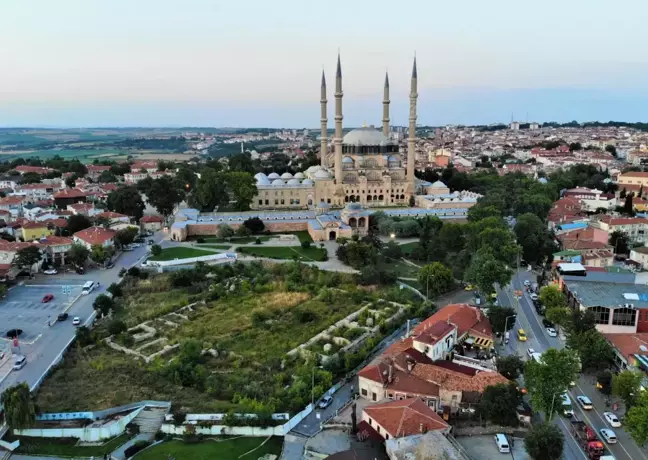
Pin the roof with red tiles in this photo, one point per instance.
(466, 317)
(111, 215)
(35, 186)
(9, 200)
(405, 417)
(149, 219)
(629, 344)
(97, 168)
(453, 380)
(32, 224)
(633, 174)
(95, 235)
(70, 193)
(53, 240)
(34, 169)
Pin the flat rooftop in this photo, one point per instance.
(595, 294)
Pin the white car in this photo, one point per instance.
(584, 402)
(76, 321)
(534, 296)
(608, 435)
(51, 271)
(325, 402)
(612, 419)
(530, 352)
(552, 332)
(527, 283)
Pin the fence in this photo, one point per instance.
(225, 257)
(220, 430)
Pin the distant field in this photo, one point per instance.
(88, 155)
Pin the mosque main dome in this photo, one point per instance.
(365, 136)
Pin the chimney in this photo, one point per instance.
(422, 428)
(408, 328)
(410, 366)
(390, 376)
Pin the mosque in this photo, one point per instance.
(365, 166)
(364, 173)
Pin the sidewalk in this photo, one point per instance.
(119, 454)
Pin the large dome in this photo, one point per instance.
(365, 136)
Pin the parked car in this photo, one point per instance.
(76, 321)
(110, 264)
(584, 402)
(551, 332)
(612, 419)
(533, 296)
(13, 333)
(527, 283)
(546, 323)
(51, 271)
(608, 435)
(530, 352)
(521, 335)
(325, 402)
(150, 242)
(47, 298)
(62, 317)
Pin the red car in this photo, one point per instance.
(48, 297)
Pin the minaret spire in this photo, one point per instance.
(411, 141)
(324, 124)
(337, 141)
(385, 119)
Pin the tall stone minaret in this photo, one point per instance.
(338, 123)
(385, 119)
(324, 123)
(411, 141)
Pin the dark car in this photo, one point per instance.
(62, 317)
(547, 323)
(47, 298)
(13, 333)
(110, 265)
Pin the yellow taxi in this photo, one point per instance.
(521, 335)
(494, 295)
(469, 287)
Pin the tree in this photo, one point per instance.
(437, 279)
(84, 336)
(241, 162)
(115, 290)
(126, 200)
(620, 242)
(210, 191)
(479, 212)
(164, 195)
(604, 379)
(594, 350)
(544, 442)
(78, 254)
(156, 249)
(19, 410)
(78, 222)
(581, 321)
(627, 386)
(611, 149)
(548, 379)
(225, 231)
(499, 402)
(533, 237)
(126, 235)
(623, 193)
(116, 327)
(392, 250)
(71, 181)
(255, 225)
(243, 231)
(575, 146)
(107, 177)
(28, 257)
(510, 366)
(242, 189)
(485, 271)
(497, 315)
(559, 316)
(636, 419)
(100, 254)
(31, 178)
(103, 304)
(552, 297)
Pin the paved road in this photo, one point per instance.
(43, 351)
(626, 448)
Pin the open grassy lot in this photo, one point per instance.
(221, 449)
(285, 252)
(408, 248)
(180, 253)
(64, 447)
(232, 344)
(224, 247)
(234, 240)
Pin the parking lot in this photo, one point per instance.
(484, 447)
(23, 308)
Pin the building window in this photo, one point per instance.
(282, 201)
(363, 391)
(378, 428)
(297, 201)
(390, 395)
(370, 422)
(386, 436)
(601, 315)
(276, 201)
(374, 396)
(267, 201)
(624, 317)
(260, 201)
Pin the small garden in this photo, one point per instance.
(64, 447)
(215, 448)
(303, 252)
(221, 337)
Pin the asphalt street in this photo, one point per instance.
(43, 344)
(530, 321)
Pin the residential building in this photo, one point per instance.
(8, 252)
(151, 223)
(636, 228)
(68, 196)
(86, 209)
(94, 171)
(95, 236)
(35, 192)
(632, 178)
(114, 218)
(640, 255)
(400, 418)
(36, 230)
(56, 248)
(23, 169)
(630, 350)
(13, 204)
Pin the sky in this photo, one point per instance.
(253, 63)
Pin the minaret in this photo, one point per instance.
(411, 141)
(324, 122)
(338, 123)
(386, 107)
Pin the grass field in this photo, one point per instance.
(179, 253)
(235, 240)
(222, 449)
(285, 252)
(224, 247)
(409, 247)
(65, 447)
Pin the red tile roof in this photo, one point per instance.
(34, 169)
(629, 344)
(633, 174)
(55, 241)
(97, 168)
(95, 235)
(70, 193)
(31, 224)
(111, 215)
(454, 380)
(405, 417)
(149, 219)
(465, 317)
(10, 200)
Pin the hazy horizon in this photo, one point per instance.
(75, 63)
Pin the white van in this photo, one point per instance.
(88, 287)
(502, 443)
(19, 362)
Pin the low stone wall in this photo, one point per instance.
(220, 430)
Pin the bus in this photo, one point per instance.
(567, 409)
(88, 287)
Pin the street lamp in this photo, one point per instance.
(553, 398)
(392, 235)
(506, 325)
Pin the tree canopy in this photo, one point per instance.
(546, 380)
(498, 404)
(164, 195)
(437, 279)
(27, 257)
(19, 410)
(544, 442)
(126, 200)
